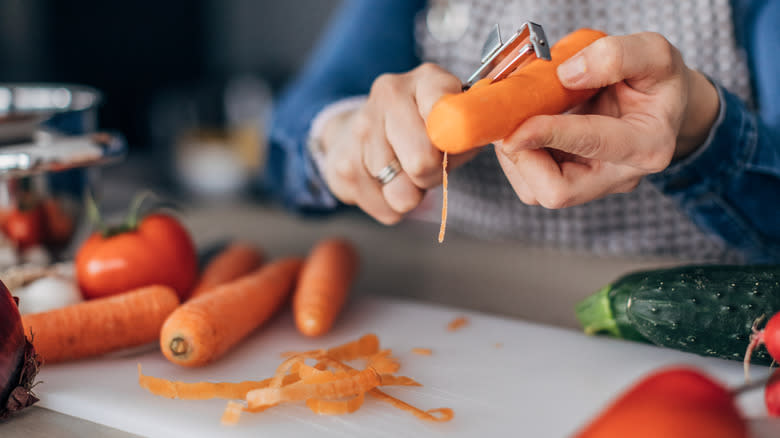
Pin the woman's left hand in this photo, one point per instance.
(653, 109)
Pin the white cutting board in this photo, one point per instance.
(541, 382)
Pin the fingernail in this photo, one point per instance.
(572, 70)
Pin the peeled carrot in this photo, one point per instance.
(204, 328)
(491, 111)
(102, 325)
(672, 403)
(323, 286)
(235, 261)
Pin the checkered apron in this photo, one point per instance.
(641, 223)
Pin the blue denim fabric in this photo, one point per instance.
(730, 186)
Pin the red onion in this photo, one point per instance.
(18, 361)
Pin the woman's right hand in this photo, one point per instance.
(358, 145)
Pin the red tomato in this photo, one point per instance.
(25, 227)
(677, 402)
(58, 223)
(772, 395)
(158, 251)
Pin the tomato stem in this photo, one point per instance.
(134, 213)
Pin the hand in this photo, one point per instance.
(390, 124)
(653, 109)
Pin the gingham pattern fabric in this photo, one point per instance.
(642, 222)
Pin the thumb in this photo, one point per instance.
(642, 59)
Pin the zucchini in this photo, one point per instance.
(703, 309)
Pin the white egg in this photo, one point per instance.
(46, 294)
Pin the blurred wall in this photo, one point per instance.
(272, 37)
(135, 51)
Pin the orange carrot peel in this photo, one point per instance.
(329, 387)
(457, 323)
(444, 184)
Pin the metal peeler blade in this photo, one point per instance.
(499, 59)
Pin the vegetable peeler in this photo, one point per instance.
(500, 58)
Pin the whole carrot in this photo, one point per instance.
(235, 261)
(102, 325)
(204, 328)
(491, 111)
(323, 286)
(672, 403)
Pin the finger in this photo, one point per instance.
(371, 200)
(400, 194)
(630, 140)
(405, 131)
(433, 83)
(351, 184)
(643, 58)
(516, 179)
(566, 184)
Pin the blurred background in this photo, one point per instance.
(189, 83)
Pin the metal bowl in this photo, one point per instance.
(70, 109)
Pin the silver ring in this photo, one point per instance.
(388, 172)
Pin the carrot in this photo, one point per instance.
(672, 403)
(102, 325)
(204, 328)
(422, 351)
(323, 286)
(491, 111)
(235, 261)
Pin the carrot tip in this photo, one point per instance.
(179, 346)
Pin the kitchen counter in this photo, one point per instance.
(500, 278)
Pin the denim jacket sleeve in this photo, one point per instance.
(365, 39)
(731, 185)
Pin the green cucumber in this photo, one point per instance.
(704, 309)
